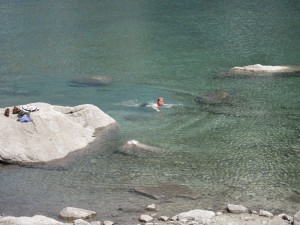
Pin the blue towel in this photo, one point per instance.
(24, 118)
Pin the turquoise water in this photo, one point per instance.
(246, 151)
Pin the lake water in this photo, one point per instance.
(246, 151)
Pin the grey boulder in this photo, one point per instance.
(53, 133)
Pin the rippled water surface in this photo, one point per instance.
(243, 150)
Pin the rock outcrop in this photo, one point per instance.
(264, 70)
(53, 132)
(35, 220)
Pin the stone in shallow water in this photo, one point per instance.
(164, 191)
(295, 198)
(219, 97)
(92, 81)
(136, 148)
(71, 213)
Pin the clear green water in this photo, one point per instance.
(246, 152)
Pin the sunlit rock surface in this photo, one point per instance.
(53, 132)
(35, 220)
(265, 70)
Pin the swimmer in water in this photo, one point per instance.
(160, 102)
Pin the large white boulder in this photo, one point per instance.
(23, 220)
(263, 70)
(54, 132)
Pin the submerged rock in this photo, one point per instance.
(137, 117)
(164, 191)
(219, 97)
(134, 147)
(92, 81)
(295, 198)
(264, 70)
(54, 132)
(16, 91)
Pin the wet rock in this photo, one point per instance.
(137, 117)
(16, 91)
(130, 210)
(219, 97)
(71, 213)
(201, 216)
(35, 220)
(92, 81)
(134, 147)
(236, 208)
(295, 198)
(264, 70)
(163, 191)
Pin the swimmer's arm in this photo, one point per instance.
(155, 106)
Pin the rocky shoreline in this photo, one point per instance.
(80, 116)
(231, 215)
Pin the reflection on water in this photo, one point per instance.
(230, 140)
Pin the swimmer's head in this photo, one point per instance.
(160, 101)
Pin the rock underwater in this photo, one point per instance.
(53, 132)
(138, 149)
(96, 81)
(215, 98)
